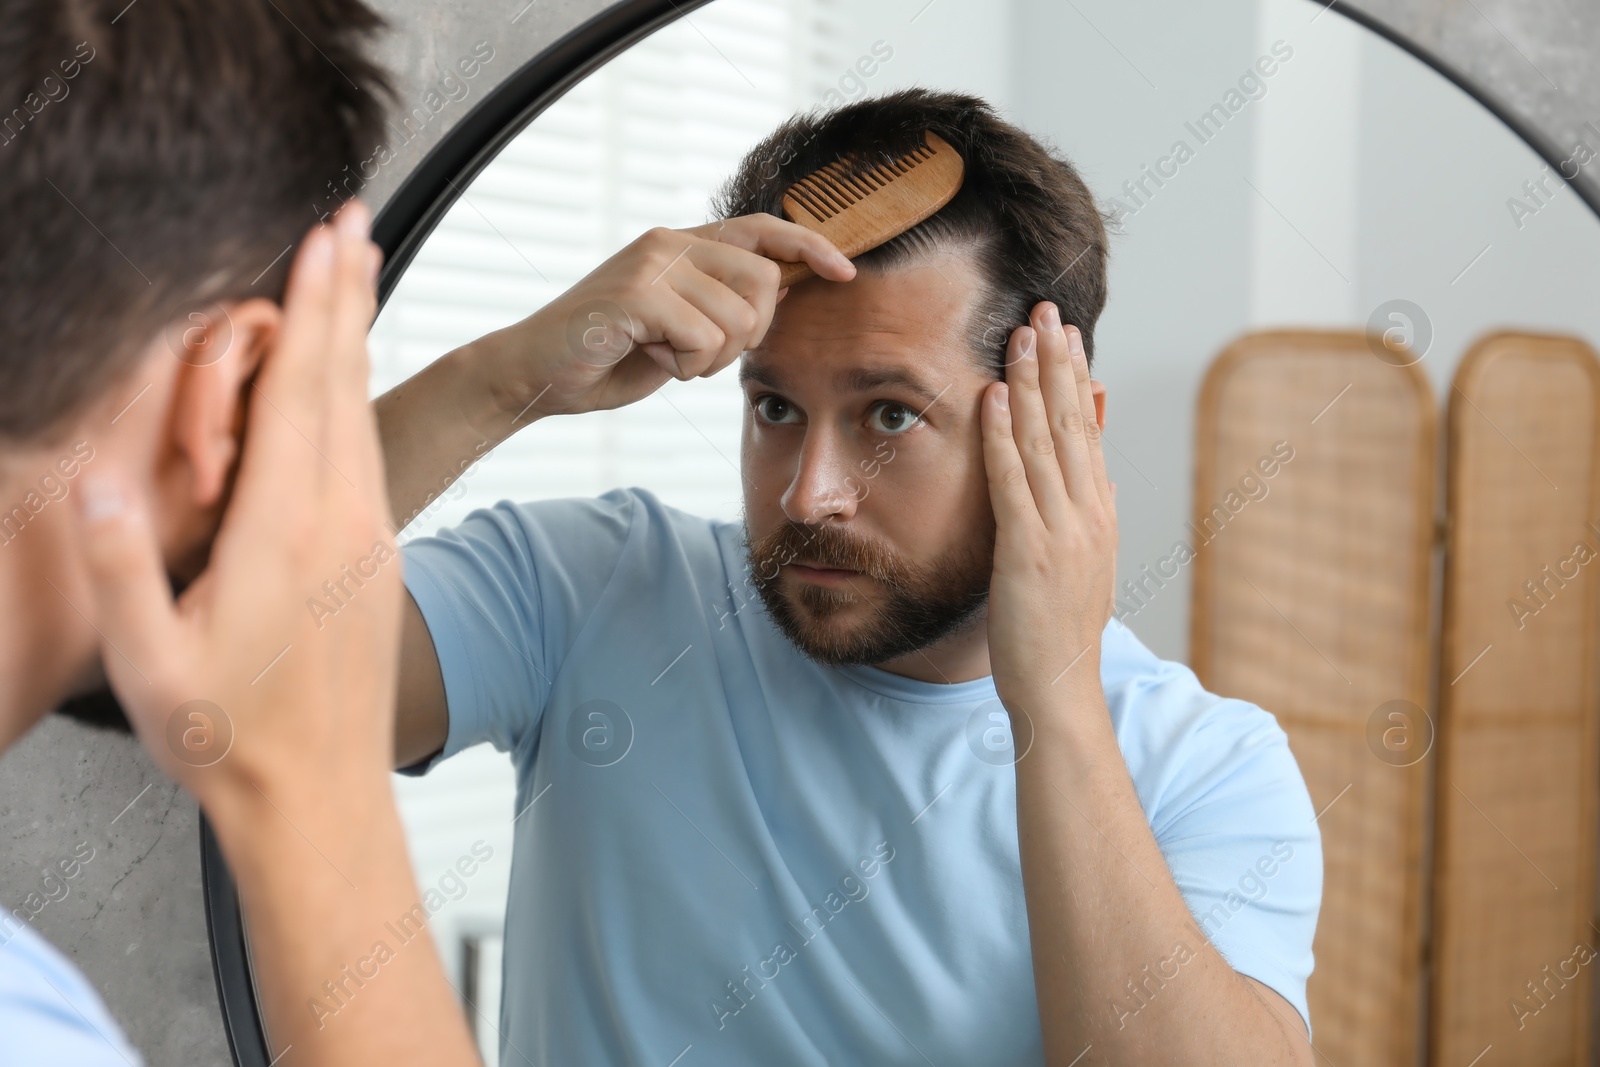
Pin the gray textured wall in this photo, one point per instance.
(133, 919)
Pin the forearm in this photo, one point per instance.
(1120, 967)
(346, 968)
(437, 423)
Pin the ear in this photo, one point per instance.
(219, 351)
(1099, 391)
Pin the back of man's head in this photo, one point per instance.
(1024, 215)
(156, 157)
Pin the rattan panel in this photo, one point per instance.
(1314, 602)
(1516, 789)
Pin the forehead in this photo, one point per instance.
(913, 318)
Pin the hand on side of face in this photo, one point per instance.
(1055, 557)
(242, 685)
(673, 304)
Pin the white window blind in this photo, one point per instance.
(643, 142)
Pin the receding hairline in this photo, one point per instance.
(978, 297)
(983, 295)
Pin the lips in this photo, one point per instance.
(820, 567)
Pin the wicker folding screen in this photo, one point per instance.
(1312, 599)
(1516, 786)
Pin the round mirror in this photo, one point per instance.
(1275, 175)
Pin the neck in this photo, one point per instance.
(48, 650)
(961, 656)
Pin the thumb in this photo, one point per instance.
(132, 604)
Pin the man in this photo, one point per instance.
(158, 163)
(183, 406)
(871, 777)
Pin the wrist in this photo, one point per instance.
(1066, 722)
(253, 812)
(492, 389)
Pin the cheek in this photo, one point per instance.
(929, 496)
(757, 458)
(766, 469)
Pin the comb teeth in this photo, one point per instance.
(833, 188)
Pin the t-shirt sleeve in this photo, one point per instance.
(504, 595)
(49, 1014)
(1234, 820)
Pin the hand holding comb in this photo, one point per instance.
(859, 212)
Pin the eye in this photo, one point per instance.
(773, 409)
(896, 418)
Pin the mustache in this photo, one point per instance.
(823, 546)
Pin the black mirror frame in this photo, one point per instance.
(411, 215)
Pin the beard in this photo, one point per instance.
(909, 606)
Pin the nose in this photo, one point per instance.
(826, 486)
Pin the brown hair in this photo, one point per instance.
(1030, 222)
(156, 157)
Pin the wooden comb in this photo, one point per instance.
(860, 211)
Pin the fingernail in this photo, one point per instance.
(1029, 339)
(1052, 318)
(843, 260)
(355, 221)
(319, 256)
(1075, 342)
(100, 498)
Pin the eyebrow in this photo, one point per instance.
(853, 380)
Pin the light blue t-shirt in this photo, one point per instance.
(730, 853)
(49, 1014)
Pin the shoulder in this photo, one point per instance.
(614, 520)
(1186, 746)
(48, 1011)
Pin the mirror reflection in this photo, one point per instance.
(675, 797)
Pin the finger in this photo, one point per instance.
(776, 238)
(286, 410)
(691, 337)
(355, 301)
(294, 374)
(284, 466)
(737, 320)
(1031, 427)
(1068, 421)
(351, 445)
(1009, 495)
(1092, 435)
(130, 599)
(754, 278)
(374, 467)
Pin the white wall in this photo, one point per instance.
(1359, 176)
(1114, 85)
(944, 44)
(1305, 171)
